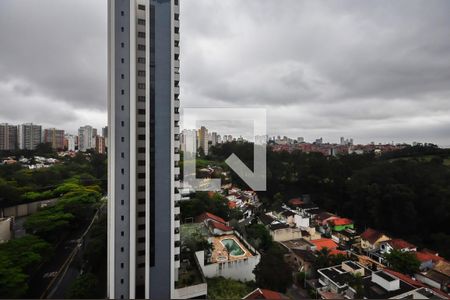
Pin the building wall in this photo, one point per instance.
(29, 136)
(8, 137)
(6, 225)
(54, 137)
(237, 270)
(286, 234)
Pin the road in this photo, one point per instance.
(56, 275)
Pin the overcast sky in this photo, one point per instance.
(371, 70)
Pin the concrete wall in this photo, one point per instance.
(285, 234)
(237, 270)
(5, 229)
(23, 210)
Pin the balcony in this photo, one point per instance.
(176, 36)
(177, 103)
(176, 210)
(177, 171)
(176, 89)
(176, 64)
(176, 157)
(176, 117)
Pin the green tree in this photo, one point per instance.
(222, 288)
(86, 286)
(403, 262)
(273, 272)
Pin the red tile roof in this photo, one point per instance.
(341, 221)
(324, 243)
(219, 226)
(371, 235)
(264, 294)
(206, 215)
(400, 244)
(405, 278)
(426, 256)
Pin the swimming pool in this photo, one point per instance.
(235, 249)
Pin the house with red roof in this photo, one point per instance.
(427, 259)
(217, 228)
(340, 224)
(327, 243)
(265, 294)
(215, 224)
(371, 239)
(295, 202)
(209, 216)
(397, 244)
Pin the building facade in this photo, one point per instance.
(55, 137)
(86, 138)
(29, 136)
(143, 147)
(8, 137)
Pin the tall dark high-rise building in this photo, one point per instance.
(143, 149)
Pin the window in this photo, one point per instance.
(141, 73)
(176, 110)
(122, 249)
(122, 139)
(122, 265)
(141, 137)
(122, 233)
(141, 7)
(141, 34)
(122, 13)
(141, 98)
(141, 253)
(141, 176)
(141, 162)
(122, 108)
(122, 60)
(122, 186)
(177, 56)
(141, 214)
(141, 124)
(141, 86)
(122, 45)
(141, 111)
(141, 201)
(122, 123)
(177, 43)
(122, 218)
(177, 29)
(122, 29)
(176, 2)
(141, 21)
(177, 17)
(141, 60)
(141, 150)
(141, 47)
(122, 92)
(122, 202)
(141, 227)
(122, 155)
(122, 76)
(141, 240)
(122, 171)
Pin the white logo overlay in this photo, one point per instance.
(197, 117)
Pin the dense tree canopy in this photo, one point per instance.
(405, 193)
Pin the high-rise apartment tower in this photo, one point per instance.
(143, 149)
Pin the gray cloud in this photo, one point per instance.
(374, 70)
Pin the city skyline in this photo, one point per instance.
(383, 80)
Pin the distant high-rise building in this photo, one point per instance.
(105, 135)
(55, 137)
(214, 138)
(300, 139)
(70, 142)
(203, 139)
(29, 136)
(86, 138)
(143, 150)
(100, 144)
(8, 137)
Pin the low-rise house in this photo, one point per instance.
(340, 224)
(438, 277)
(370, 239)
(346, 238)
(295, 202)
(301, 260)
(284, 232)
(398, 244)
(232, 257)
(265, 294)
(327, 243)
(323, 218)
(427, 260)
(217, 228)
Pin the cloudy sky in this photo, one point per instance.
(371, 70)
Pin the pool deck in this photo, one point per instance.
(221, 251)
